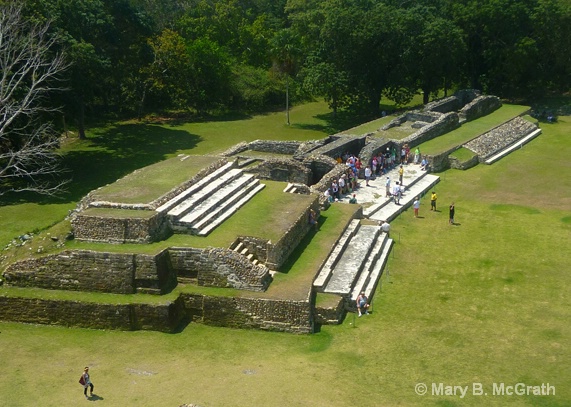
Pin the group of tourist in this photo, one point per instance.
(347, 182)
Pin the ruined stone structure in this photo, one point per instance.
(248, 263)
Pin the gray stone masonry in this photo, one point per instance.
(283, 170)
(445, 123)
(500, 137)
(479, 107)
(340, 145)
(275, 147)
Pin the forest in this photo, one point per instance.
(138, 56)
(118, 59)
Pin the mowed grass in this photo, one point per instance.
(149, 183)
(486, 301)
(472, 129)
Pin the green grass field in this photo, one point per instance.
(486, 301)
(472, 129)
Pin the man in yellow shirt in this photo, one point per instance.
(433, 199)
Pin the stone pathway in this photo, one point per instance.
(377, 207)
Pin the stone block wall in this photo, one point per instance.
(309, 147)
(444, 105)
(218, 267)
(371, 150)
(466, 96)
(235, 149)
(463, 165)
(283, 170)
(479, 107)
(446, 123)
(440, 162)
(276, 147)
(500, 137)
(331, 315)
(258, 247)
(319, 165)
(80, 270)
(289, 241)
(254, 313)
(340, 145)
(153, 273)
(156, 317)
(87, 227)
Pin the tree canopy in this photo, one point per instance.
(134, 57)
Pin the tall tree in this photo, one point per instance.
(30, 74)
(285, 54)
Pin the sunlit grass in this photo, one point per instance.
(472, 129)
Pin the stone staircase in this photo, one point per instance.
(356, 262)
(206, 204)
(518, 144)
(385, 208)
(243, 250)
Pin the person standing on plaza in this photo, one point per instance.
(416, 206)
(452, 212)
(401, 173)
(367, 175)
(417, 155)
(433, 199)
(388, 188)
(397, 193)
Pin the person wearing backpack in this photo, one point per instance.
(85, 380)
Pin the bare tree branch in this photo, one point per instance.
(29, 72)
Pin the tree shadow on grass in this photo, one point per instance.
(111, 154)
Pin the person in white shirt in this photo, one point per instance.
(397, 193)
(367, 175)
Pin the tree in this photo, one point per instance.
(285, 54)
(30, 74)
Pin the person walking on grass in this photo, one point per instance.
(433, 199)
(451, 211)
(416, 206)
(86, 382)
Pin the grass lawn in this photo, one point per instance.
(472, 129)
(463, 154)
(152, 182)
(486, 301)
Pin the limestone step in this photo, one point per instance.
(353, 259)
(203, 193)
(514, 146)
(193, 188)
(224, 205)
(229, 211)
(288, 187)
(382, 201)
(229, 191)
(325, 272)
(369, 265)
(391, 210)
(375, 274)
(238, 247)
